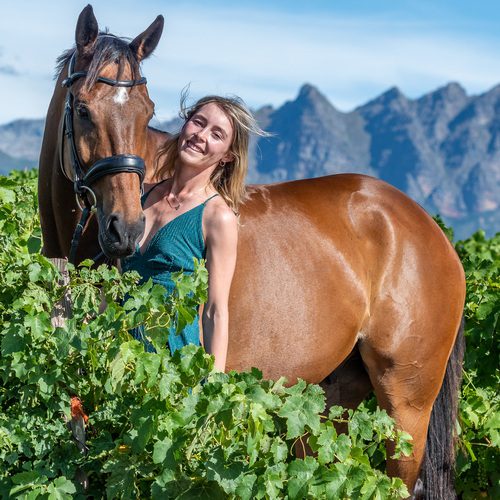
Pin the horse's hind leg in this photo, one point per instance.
(406, 371)
(398, 390)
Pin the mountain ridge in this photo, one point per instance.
(442, 148)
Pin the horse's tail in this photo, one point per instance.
(437, 472)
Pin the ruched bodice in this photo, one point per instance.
(171, 249)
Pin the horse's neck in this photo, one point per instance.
(53, 188)
(156, 140)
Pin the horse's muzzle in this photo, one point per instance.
(118, 238)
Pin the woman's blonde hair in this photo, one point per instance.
(227, 179)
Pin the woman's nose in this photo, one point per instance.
(202, 134)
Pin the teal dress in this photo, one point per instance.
(171, 249)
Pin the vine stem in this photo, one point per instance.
(301, 442)
(190, 449)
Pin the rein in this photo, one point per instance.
(83, 181)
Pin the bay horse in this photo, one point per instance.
(96, 140)
(340, 280)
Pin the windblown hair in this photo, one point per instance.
(228, 179)
(107, 50)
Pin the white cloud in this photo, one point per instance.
(351, 61)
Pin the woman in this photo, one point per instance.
(193, 212)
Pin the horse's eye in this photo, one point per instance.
(82, 111)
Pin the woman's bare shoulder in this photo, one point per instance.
(218, 215)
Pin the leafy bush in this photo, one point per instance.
(166, 427)
(159, 426)
(478, 460)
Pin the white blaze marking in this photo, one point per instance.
(121, 96)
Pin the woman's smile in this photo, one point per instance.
(190, 144)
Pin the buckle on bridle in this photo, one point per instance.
(81, 193)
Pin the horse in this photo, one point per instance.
(99, 77)
(341, 280)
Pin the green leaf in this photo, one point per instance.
(120, 481)
(301, 409)
(7, 195)
(86, 263)
(300, 474)
(161, 449)
(361, 425)
(13, 341)
(326, 444)
(219, 470)
(404, 445)
(61, 489)
(369, 488)
(245, 486)
(342, 447)
(335, 480)
(335, 412)
(279, 450)
(208, 490)
(28, 477)
(145, 433)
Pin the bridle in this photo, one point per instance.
(82, 182)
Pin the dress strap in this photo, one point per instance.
(208, 199)
(145, 195)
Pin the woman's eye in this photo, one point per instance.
(217, 135)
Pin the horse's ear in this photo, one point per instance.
(86, 30)
(144, 44)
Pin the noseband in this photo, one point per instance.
(82, 182)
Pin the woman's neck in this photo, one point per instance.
(186, 181)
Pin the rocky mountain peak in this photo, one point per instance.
(451, 95)
(310, 97)
(451, 91)
(391, 101)
(437, 110)
(393, 95)
(489, 99)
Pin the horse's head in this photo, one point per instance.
(107, 112)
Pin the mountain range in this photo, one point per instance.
(442, 149)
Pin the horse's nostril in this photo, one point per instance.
(114, 228)
(120, 235)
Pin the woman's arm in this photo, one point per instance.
(221, 233)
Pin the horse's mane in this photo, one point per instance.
(108, 48)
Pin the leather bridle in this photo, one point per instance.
(83, 181)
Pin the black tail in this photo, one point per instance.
(437, 473)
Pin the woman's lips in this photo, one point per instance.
(194, 147)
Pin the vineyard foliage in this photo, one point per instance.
(169, 427)
(478, 460)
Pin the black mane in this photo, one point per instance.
(108, 49)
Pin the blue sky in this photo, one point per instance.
(261, 50)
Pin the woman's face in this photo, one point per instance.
(206, 138)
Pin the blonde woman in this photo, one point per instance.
(193, 211)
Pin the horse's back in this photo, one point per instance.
(368, 217)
